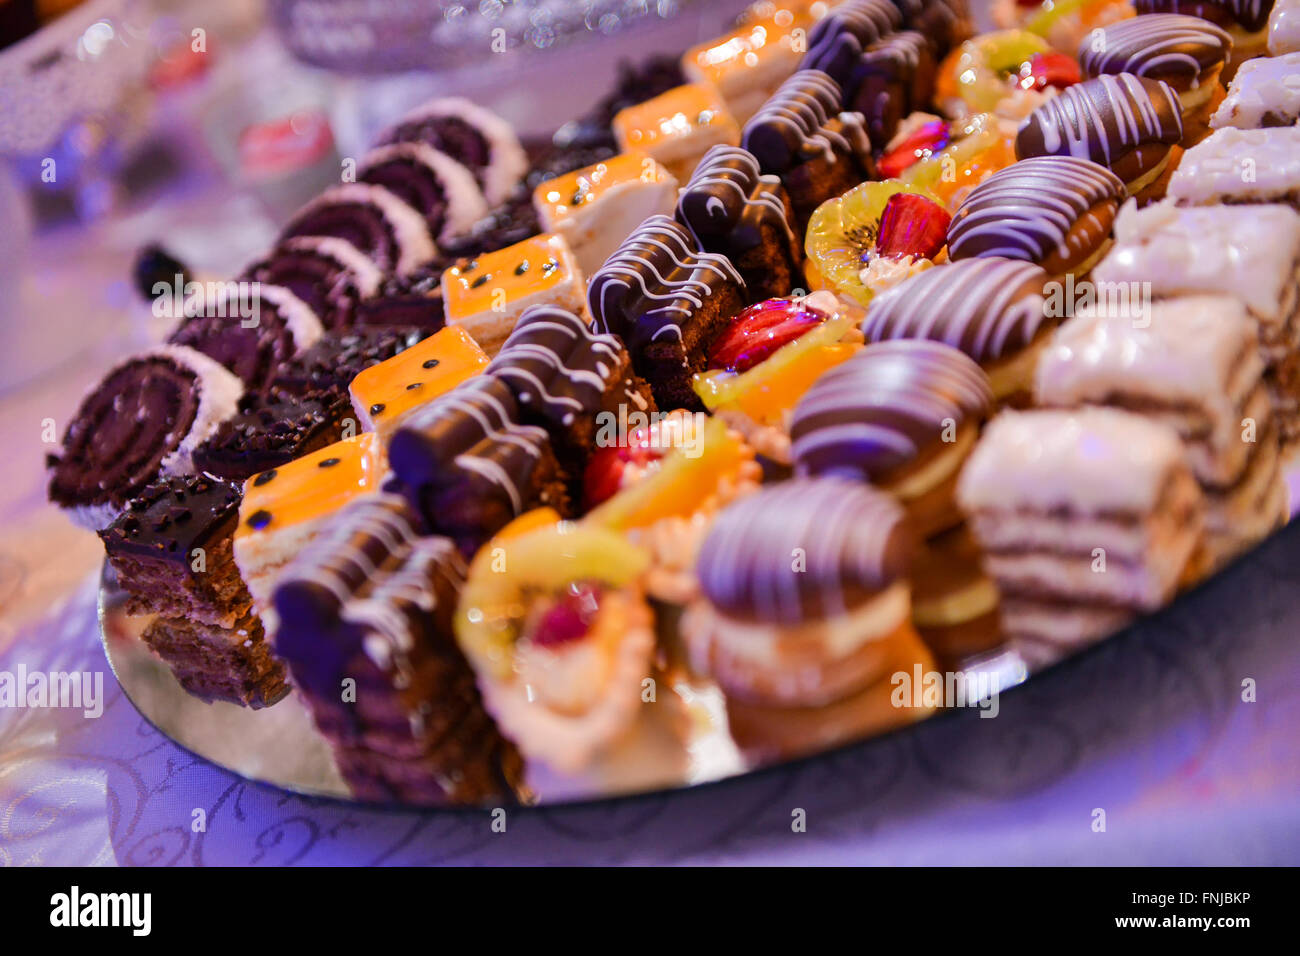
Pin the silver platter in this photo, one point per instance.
(685, 741)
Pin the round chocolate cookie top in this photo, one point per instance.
(885, 407)
(1103, 119)
(1250, 15)
(1036, 209)
(989, 308)
(804, 549)
(1159, 46)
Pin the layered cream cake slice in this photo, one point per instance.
(1087, 518)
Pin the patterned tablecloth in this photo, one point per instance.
(1151, 727)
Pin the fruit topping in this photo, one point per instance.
(569, 618)
(922, 143)
(1043, 70)
(612, 467)
(912, 225)
(760, 330)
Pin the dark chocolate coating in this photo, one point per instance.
(1031, 209)
(893, 78)
(124, 428)
(1161, 46)
(1250, 15)
(173, 516)
(885, 408)
(795, 126)
(1104, 119)
(272, 430)
(837, 41)
(804, 549)
(338, 357)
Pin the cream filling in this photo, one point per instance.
(1147, 178)
(936, 471)
(974, 600)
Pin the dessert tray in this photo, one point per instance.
(849, 368)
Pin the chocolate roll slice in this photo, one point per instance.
(332, 276)
(431, 182)
(394, 236)
(475, 137)
(252, 347)
(146, 416)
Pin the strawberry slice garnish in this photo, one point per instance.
(922, 143)
(912, 225)
(760, 330)
(569, 618)
(1049, 69)
(604, 474)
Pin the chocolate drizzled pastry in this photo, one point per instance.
(733, 210)
(330, 275)
(893, 78)
(946, 23)
(271, 430)
(171, 550)
(801, 135)
(1250, 15)
(836, 43)
(334, 361)
(854, 542)
(1126, 123)
(392, 235)
(1055, 211)
(666, 300)
(1180, 50)
(564, 376)
(372, 601)
(146, 416)
(469, 466)
(253, 347)
(886, 409)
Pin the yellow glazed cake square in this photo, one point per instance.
(748, 64)
(383, 394)
(485, 296)
(677, 127)
(597, 207)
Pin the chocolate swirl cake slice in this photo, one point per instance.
(252, 347)
(468, 464)
(371, 602)
(475, 137)
(332, 276)
(146, 416)
(430, 182)
(394, 236)
(733, 210)
(666, 300)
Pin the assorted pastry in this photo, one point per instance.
(757, 374)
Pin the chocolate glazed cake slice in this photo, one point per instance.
(893, 78)
(370, 601)
(836, 43)
(468, 464)
(566, 377)
(172, 551)
(332, 276)
(393, 235)
(431, 182)
(731, 209)
(146, 416)
(273, 429)
(666, 300)
(335, 360)
(253, 347)
(473, 136)
(802, 136)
